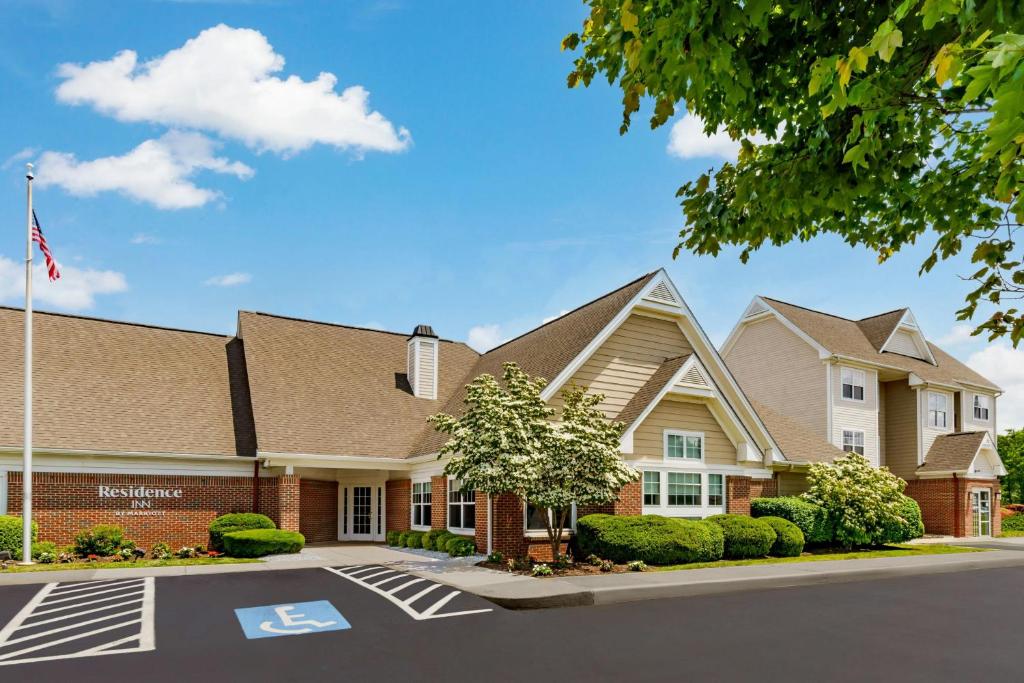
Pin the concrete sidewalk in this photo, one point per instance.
(522, 592)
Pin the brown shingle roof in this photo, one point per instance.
(647, 393)
(798, 443)
(878, 328)
(857, 339)
(952, 452)
(328, 389)
(542, 352)
(110, 386)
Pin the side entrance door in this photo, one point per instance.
(361, 512)
(981, 510)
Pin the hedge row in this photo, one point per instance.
(650, 538)
(817, 528)
(441, 540)
(260, 542)
(1014, 523)
(236, 521)
(10, 533)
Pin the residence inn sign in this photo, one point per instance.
(141, 497)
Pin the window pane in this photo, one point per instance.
(675, 447)
(683, 488)
(693, 447)
(652, 488)
(858, 393)
(469, 516)
(716, 489)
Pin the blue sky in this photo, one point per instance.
(472, 190)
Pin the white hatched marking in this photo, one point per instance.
(431, 612)
(136, 613)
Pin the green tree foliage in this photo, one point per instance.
(1011, 450)
(509, 441)
(885, 119)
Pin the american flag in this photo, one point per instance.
(37, 236)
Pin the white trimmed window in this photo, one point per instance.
(716, 490)
(461, 507)
(853, 441)
(652, 488)
(535, 518)
(981, 407)
(421, 504)
(853, 382)
(684, 489)
(684, 445)
(938, 407)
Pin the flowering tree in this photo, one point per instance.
(862, 501)
(507, 441)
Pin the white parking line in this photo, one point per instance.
(431, 612)
(133, 610)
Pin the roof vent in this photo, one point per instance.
(422, 362)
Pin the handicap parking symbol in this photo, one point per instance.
(293, 619)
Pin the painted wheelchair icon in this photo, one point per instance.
(293, 619)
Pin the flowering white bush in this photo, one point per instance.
(863, 502)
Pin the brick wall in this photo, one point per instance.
(507, 515)
(629, 502)
(737, 495)
(318, 506)
(398, 504)
(480, 537)
(764, 488)
(946, 504)
(65, 503)
(289, 506)
(439, 502)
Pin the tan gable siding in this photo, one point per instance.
(903, 343)
(648, 440)
(929, 433)
(627, 360)
(856, 415)
(425, 382)
(900, 418)
(791, 483)
(780, 370)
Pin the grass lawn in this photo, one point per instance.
(818, 555)
(176, 562)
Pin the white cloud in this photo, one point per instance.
(21, 155)
(958, 334)
(1004, 365)
(157, 171)
(223, 81)
(229, 280)
(144, 238)
(554, 317)
(687, 140)
(484, 337)
(75, 290)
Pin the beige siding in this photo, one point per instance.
(929, 433)
(859, 416)
(627, 360)
(791, 483)
(428, 359)
(903, 342)
(967, 410)
(900, 418)
(777, 368)
(649, 438)
(881, 424)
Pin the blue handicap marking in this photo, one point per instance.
(292, 619)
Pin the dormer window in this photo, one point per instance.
(938, 407)
(981, 408)
(853, 384)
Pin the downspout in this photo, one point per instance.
(256, 486)
(958, 510)
(490, 527)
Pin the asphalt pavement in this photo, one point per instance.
(373, 623)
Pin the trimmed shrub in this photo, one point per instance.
(651, 538)
(10, 533)
(402, 536)
(430, 538)
(439, 540)
(1014, 523)
(909, 525)
(414, 539)
(460, 546)
(745, 537)
(260, 542)
(236, 521)
(103, 540)
(810, 518)
(789, 540)
(392, 537)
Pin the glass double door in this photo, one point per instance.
(981, 511)
(361, 512)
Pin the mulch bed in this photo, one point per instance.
(577, 569)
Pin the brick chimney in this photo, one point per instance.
(423, 362)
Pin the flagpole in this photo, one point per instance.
(26, 469)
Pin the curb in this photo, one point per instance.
(609, 595)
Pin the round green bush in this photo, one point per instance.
(1014, 523)
(651, 538)
(431, 538)
(812, 519)
(236, 521)
(414, 539)
(745, 537)
(10, 533)
(260, 542)
(789, 540)
(392, 537)
(102, 539)
(460, 546)
(909, 527)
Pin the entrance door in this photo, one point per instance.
(981, 510)
(361, 512)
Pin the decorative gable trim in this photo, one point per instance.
(660, 293)
(694, 377)
(759, 309)
(988, 451)
(906, 337)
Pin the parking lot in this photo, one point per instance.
(372, 622)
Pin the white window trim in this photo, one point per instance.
(412, 506)
(461, 530)
(928, 410)
(703, 510)
(543, 533)
(678, 432)
(863, 385)
(984, 403)
(863, 439)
